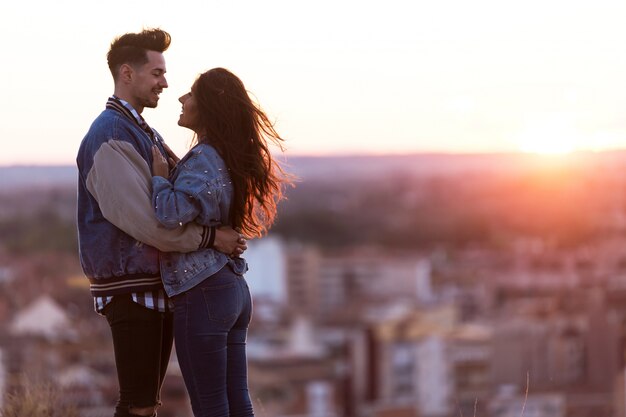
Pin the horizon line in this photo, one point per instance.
(378, 155)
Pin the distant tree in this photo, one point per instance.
(404, 212)
(41, 231)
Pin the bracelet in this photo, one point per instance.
(212, 233)
(208, 237)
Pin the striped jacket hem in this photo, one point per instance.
(125, 284)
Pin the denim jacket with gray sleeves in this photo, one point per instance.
(199, 190)
(119, 237)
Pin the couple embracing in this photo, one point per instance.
(161, 239)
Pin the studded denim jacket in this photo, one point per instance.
(199, 190)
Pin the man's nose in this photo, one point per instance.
(164, 83)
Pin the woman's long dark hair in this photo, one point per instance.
(240, 130)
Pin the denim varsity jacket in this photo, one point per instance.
(119, 237)
(199, 190)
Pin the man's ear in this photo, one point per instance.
(126, 73)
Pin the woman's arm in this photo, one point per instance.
(176, 204)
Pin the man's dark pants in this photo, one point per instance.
(142, 341)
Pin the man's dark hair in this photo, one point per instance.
(131, 48)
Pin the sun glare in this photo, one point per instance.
(555, 138)
(551, 146)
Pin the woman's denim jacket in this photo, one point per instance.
(199, 190)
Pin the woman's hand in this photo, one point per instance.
(229, 241)
(160, 167)
(172, 159)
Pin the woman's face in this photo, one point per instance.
(189, 114)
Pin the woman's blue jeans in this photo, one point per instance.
(210, 328)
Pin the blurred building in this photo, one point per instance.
(267, 269)
(331, 284)
(3, 378)
(511, 403)
(542, 345)
(303, 279)
(420, 364)
(470, 352)
(296, 374)
(44, 318)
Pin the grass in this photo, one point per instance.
(36, 399)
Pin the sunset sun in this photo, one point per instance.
(553, 138)
(547, 145)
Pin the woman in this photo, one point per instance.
(227, 178)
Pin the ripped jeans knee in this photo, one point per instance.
(143, 411)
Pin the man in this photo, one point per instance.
(119, 236)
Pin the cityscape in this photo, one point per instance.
(407, 286)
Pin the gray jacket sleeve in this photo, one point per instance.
(120, 181)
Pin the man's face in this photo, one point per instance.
(148, 81)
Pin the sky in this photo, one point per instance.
(337, 77)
